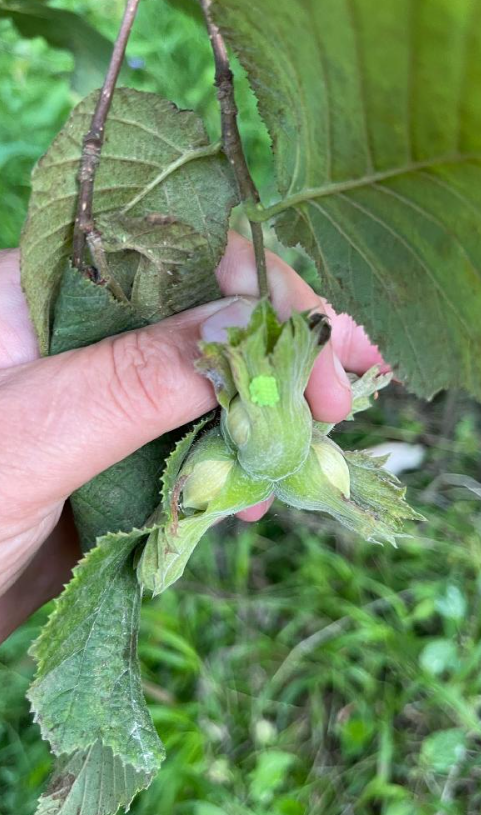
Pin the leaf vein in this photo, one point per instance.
(380, 279)
(410, 248)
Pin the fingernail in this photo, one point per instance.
(238, 314)
(340, 373)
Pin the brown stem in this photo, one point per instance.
(92, 143)
(231, 139)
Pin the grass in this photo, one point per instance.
(295, 670)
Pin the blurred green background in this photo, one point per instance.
(295, 670)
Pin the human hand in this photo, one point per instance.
(67, 418)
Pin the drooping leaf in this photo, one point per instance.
(69, 31)
(122, 497)
(376, 126)
(156, 165)
(87, 681)
(87, 694)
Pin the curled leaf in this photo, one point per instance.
(159, 179)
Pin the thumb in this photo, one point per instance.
(67, 418)
(329, 390)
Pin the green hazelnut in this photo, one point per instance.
(333, 464)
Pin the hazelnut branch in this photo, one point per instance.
(231, 139)
(84, 230)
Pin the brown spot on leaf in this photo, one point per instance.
(157, 219)
(60, 786)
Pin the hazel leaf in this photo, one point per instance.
(91, 782)
(376, 127)
(87, 694)
(157, 171)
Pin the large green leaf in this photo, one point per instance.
(87, 694)
(375, 115)
(157, 168)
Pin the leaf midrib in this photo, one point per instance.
(259, 213)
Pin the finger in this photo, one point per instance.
(329, 390)
(68, 417)
(43, 578)
(236, 274)
(20, 543)
(353, 347)
(18, 343)
(256, 512)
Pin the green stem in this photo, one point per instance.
(259, 253)
(256, 213)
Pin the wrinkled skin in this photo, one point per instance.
(67, 418)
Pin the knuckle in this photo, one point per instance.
(143, 373)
